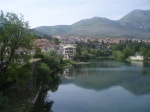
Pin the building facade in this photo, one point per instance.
(68, 51)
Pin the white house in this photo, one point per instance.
(137, 57)
(68, 51)
(140, 58)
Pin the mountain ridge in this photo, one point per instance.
(135, 24)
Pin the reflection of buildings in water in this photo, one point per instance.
(137, 63)
(140, 66)
(84, 72)
(67, 74)
(70, 73)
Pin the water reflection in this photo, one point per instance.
(137, 63)
(127, 75)
(123, 86)
(71, 98)
(44, 102)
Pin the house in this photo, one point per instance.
(44, 44)
(137, 57)
(68, 51)
(140, 58)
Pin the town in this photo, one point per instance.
(67, 46)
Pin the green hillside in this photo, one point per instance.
(54, 30)
(137, 17)
(135, 24)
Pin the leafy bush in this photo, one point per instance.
(3, 102)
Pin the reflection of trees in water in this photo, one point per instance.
(43, 104)
(135, 77)
(132, 82)
(48, 103)
(54, 84)
(75, 71)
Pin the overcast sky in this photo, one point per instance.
(67, 12)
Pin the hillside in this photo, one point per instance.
(135, 24)
(54, 30)
(139, 18)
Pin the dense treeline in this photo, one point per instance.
(46, 71)
(128, 48)
(120, 51)
(85, 51)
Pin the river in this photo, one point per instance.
(103, 86)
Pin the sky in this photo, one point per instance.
(67, 12)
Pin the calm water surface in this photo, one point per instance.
(104, 86)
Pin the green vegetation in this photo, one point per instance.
(20, 79)
(120, 51)
(48, 69)
(15, 41)
(123, 50)
(137, 17)
(15, 69)
(136, 24)
(91, 50)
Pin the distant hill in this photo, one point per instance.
(135, 24)
(139, 18)
(39, 33)
(54, 30)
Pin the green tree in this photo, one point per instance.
(56, 41)
(128, 52)
(96, 52)
(78, 49)
(53, 62)
(46, 72)
(84, 55)
(43, 75)
(119, 47)
(118, 55)
(3, 102)
(145, 52)
(15, 40)
(49, 37)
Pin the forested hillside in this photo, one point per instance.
(136, 24)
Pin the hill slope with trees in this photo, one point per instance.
(135, 24)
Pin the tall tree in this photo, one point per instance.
(15, 39)
(56, 41)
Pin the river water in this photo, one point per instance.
(104, 86)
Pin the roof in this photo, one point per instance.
(69, 46)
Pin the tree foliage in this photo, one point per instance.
(46, 72)
(129, 48)
(56, 41)
(15, 43)
(15, 39)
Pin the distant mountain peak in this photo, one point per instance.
(138, 17)
(135, 24)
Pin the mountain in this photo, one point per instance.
(94, 27)
(135, 24)
(39, 33)
(54, 30)
(137, 17)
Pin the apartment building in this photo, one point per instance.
(68, 51)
